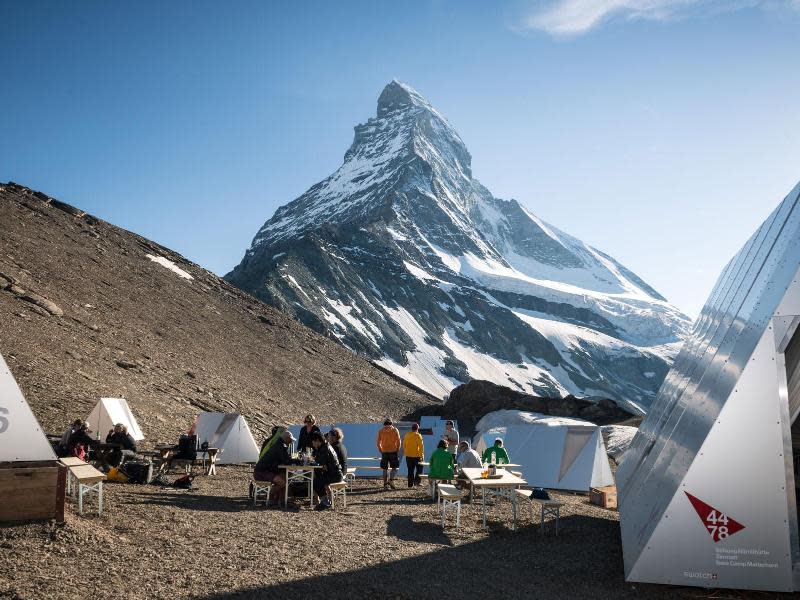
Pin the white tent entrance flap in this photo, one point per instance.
(564, 457)
(21, 436)
(110, 411)
(707, 487)
(230, 433)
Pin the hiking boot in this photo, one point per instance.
(392, 485)
(322, 506)
(410, 484)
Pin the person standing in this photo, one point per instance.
(388, 443)
(414, 450)
(309, 427)
(451, 437)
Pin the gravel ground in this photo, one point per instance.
(156, 542)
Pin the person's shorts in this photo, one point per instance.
(390, 459)
(264, 475)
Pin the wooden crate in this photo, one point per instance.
(32, 490)
(604, 496)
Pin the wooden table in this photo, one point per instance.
(502, 487)
(299, 473)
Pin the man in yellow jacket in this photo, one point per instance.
(414, 449)
(389, 446)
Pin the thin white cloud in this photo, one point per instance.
(575, 17)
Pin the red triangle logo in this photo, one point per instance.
(718, 524)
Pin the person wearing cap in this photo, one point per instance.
(388, 443)
(451, 437)
(414, 450)
(127, 447)
(275, 454)
(496, 454)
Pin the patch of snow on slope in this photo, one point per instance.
(167, 263)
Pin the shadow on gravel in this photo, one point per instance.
(407, 529)
(584, 561)
(193, 501)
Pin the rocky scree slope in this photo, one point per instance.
(406, 258)
(91, 310)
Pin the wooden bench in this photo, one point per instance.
(71, 461)
(549, 508)
(339, 489)
(449, 497)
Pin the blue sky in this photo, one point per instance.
(660, 131)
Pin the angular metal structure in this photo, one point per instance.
(707, 488)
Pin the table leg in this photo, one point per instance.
(514, 510)
(483, 497)
(100, 499)
(80, 498)
(311, 488)
(286, 491)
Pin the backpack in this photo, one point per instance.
(184, 483)
(540, 494)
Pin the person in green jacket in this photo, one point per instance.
(441, 465)
(496, 454)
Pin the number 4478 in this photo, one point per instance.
(717, 524)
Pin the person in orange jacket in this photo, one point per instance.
(389, 446)
(414, 450)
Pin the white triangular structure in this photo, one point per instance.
(559, 457)
(230, 433)
(110, 411)
(707, 487)
(21, 436)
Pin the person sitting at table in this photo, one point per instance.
(304, 443)
(79, 442)
(331, 471)
(335, 437)
(63, 445)
(127, 447)
(496, 454)
(414, 450)
(388, 444)
(267, 467)
(467, 457)
(441, 464)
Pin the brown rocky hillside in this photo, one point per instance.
(85, 313)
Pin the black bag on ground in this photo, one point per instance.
(298, 489)
(138, 471)
(187, 447)
(184, 483)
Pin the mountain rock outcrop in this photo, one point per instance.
(407, 259)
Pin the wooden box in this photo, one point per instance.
(604, 496)
(32, 490)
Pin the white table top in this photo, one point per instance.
(300, 467)
(352, 458)
(507, 480)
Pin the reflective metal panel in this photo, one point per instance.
(744, 299)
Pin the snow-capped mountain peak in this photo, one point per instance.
(404, 256)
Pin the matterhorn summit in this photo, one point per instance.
(404, 257)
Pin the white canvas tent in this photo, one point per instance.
(110, 411)
(21, 436)
(561, 457)
(707, 487)
(230, 433)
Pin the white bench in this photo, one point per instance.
(350, 476)
(549, 508)
(449, 497)
(339, 489)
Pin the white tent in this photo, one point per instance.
(110, 411)
(561, 457)
(230, 433)
(21, 436)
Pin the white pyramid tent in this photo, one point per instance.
(21, 436)
(110, 411)
(558, 456)
(229, 432)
